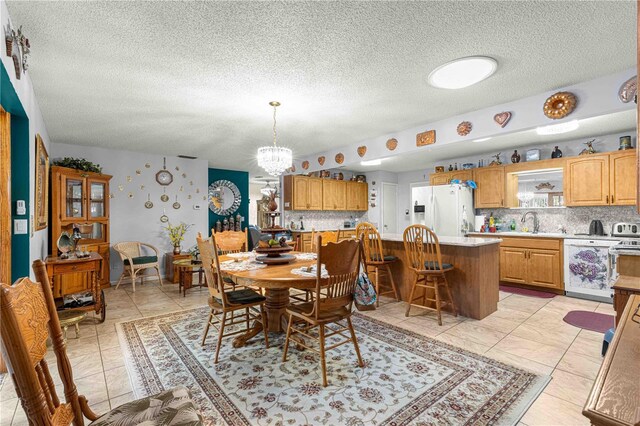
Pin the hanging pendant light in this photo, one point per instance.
(275, 159)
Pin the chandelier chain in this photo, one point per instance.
(274, 125)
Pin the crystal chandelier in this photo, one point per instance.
(275, 159)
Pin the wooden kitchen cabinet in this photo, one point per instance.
(491, 188)
(513, 265)
(586, 180)
(302, 193)
(446, 177)
(357, 196)
(544, 268)
(623, 180)
(334, 195)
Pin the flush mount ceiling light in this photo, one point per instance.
(275, 159)
(480, 140)
(556, 129)
(463, 72)
(371, 163)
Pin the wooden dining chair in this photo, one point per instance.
(29, 318)
(333, 302)
(327, 237)
(136, 258)
(224, 302)
(375, 259)
(231, 241)
(425, 260)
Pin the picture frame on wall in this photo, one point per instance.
(41, 185)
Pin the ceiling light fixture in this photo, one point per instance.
(480, 140)
(557, 129)
(268, 189)
(275, 159)
(371, 163)
(463, 72)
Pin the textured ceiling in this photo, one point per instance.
(195, 78)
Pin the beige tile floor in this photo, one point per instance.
(526, 332)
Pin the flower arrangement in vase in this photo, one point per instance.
(176, 234)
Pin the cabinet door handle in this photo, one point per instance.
(607, 199)
(612, 199)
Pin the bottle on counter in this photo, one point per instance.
(455, 167)
(513, 225)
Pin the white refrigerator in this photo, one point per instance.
(446, 209)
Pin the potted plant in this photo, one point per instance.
(176, 234)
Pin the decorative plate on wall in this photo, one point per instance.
(464, 128)
(305, 164)
(559, 105)
(392, 144)
(321, 160)
(339, 158)
(426, 138)
(362, 150)
(224, 197)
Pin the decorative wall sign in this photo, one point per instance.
(392, 144)
(426, 138)
(224, 197)
(559, 105)
(502, 118)
(41, 185)
(464, 128)
(628, 90)
(321, 160)
(362, 150)
(339, 158)
(305, 164)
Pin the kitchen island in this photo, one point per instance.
(474, 281)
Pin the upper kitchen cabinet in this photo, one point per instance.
(334, 195)
(302, 193)
(601, 179)
(357, 196)
(311, 193)
(446, 177)
(491, 188)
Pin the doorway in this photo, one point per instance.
(389, 210)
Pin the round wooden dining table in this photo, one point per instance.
(276, 280)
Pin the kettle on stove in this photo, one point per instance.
(596, 228)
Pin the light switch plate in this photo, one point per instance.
(20, 226)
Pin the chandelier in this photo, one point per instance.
(275, 159)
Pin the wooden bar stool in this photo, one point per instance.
(375, 259)
(423, 255)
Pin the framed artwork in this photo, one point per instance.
(41, 185)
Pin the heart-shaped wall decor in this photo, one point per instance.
(362, 150)
(502, 118)
(321, 160)
(339, 158)
(305, 164)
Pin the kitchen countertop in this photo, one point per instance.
(546, 235)
(303, 231)
(450, 241)
(624, 252)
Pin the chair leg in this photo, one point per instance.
(393, 283)
(265, 329)
(224, 320)
(453, 305)
(413, 289)
(323, 360)
(206, 327)
(159, 277)
(246, 311)
(124, 272)
(354, 339)
(437, 297)
(377, 287)
(286, 340)
(133, 279)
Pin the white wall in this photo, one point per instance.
(26, 94)
(130, 220)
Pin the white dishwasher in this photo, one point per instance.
(588, 269)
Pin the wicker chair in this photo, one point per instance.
(29, 318)
(135, 261)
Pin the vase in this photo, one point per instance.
(556, 153)
(515, 157)
(176, 249)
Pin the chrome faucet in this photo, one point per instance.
(536, 223)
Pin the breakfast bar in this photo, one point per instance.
(474, 281)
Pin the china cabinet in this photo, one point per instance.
(80, 200)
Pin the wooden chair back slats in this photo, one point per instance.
(211, 266)
(342, 263)
(231, 241)
(327, 237)
(29, 317)
(371, 242)
(421, 245)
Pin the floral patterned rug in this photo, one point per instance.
(408, 379)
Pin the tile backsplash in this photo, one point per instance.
(575, 220)
(321, 220)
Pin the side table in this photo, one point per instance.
(186, 269)
(170, 270)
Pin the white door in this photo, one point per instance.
(389, 217)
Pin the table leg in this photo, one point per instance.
(242, 339)
(276, 304)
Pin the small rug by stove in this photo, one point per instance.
(527, 292)
(407, 378)
(590, 320)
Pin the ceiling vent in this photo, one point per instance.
(188, 157)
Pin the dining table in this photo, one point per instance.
(276, 280)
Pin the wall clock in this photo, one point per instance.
(164, 176)
(224, 197)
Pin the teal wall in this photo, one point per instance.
(19, 172)
(241, 179)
